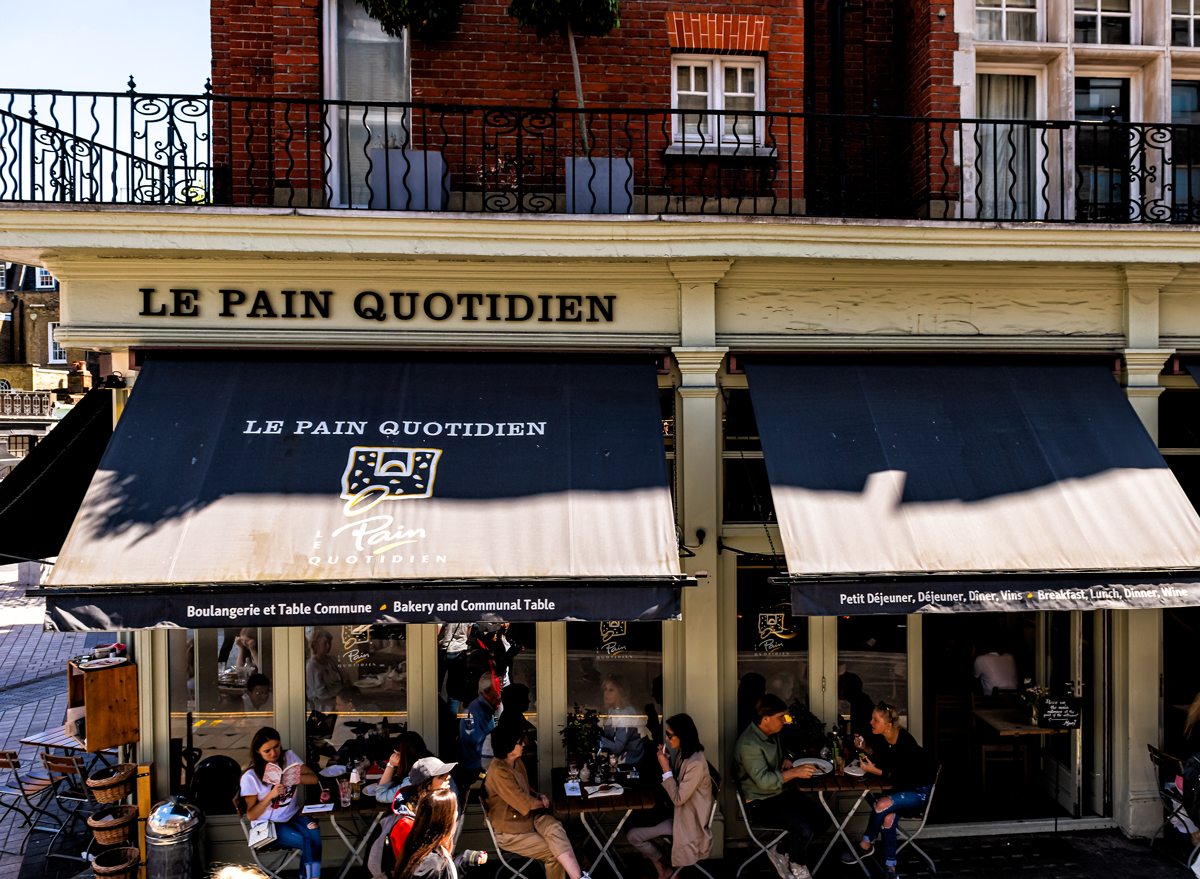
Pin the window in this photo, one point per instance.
(1185, 150)
(19, 444)
(747, 493)
(872, 666)
(726, 87)
(1102, 158)
(1102, 21)
(1007, 154)
(1183, 17)
(4, 275)
(45, 280)
(1006, 20)
(58, 354)
(772, 645)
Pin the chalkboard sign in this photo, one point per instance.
(1061, 713)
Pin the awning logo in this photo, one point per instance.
(378, 473)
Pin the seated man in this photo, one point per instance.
(763, 774)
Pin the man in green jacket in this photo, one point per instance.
(763, 774)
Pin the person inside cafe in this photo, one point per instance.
(520, 816)
(277, 803)
(247, 647)
(906, 768)
(474, 728)
(425, 776)
(763, 774)
(850, 691)
(687, 782)
(257, 697)
(346, 705)
(620, 722)
(323, 678)
(995, 669)
(428, 850)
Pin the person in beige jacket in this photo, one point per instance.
(520, 816)
(688, 784)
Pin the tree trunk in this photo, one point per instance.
(578, 88)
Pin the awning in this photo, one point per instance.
(41, 495)
(911, 485)
(427, 489)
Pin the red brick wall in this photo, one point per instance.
(266, 47)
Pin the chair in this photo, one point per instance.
(67, 776)
(763, 847)
(16, 789)
(513, 871)
(994, 750)
(712, 815)
(1166, 770)
(951, 722)
(910, 838)
(285, 855)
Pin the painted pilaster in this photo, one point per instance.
(1136, 659)
(1144, 358)
(422, 659)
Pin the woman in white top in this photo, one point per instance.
(277, 803)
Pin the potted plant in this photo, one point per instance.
(1033, 696)
(402, 178)
(581, 734)
(595, 184)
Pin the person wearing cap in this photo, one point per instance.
(426, 775)
(520, 816)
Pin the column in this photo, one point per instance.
(1144, 358)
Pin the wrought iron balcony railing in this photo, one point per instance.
(211, 149)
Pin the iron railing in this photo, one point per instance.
(130, 148)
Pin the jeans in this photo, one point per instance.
(905, 804)
(801, 816)
(298, 835)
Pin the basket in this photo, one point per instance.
(118, 863)
(113, 783)
(112, 825)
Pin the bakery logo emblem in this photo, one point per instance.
(612, 629)
(378, 473)
(770, 624)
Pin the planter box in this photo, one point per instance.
(424, 188)
(599, 185)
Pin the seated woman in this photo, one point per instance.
(277, 803)
(620, 722)
(902, 763)
(428, 851)
(512, 805)
(688, 784)
(425, 776)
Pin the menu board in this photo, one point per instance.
(1061, 713)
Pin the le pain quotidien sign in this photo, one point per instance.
(376, 307)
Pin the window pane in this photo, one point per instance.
(1085, 29)
(683, 78)
(748, 81)
(1114, 5)
(1181, 7)
(701, 81)
(772, 645)
(741, 127)
(988, 3)
(1086, 5)
(615, 668)
(987, 25)
(220, 696)
(1180, 31)
(874, 650)
(731, 80)
(1114, 30)
(1022, 26)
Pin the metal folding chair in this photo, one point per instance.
(1166, 770)
(31, 789)
(906, 838)
(513, 871)
(67, 777)
(763, 847)
(285, 855)
(712, 815)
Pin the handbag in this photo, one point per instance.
(262, 835)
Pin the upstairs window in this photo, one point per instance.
(1006, 20)
(725, 87)
(45, 280)
(1102, 21)
(1183, 22)
(58, 354)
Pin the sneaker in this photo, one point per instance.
(799, 871)
(848, 856)
(783, 864)
(889, 871)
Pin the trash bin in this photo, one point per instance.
(175, 841)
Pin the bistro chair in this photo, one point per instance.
(712, 814)
(278, 858)
(909, 838)
(67, 776)
(28, 790)
(1166, 770)
(514, 870)
(763, 847)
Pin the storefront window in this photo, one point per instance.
(772, 645)
(615, 668)
(747, 491)
(221, 693)
(357, 677)
(872, 665)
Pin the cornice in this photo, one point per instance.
(913, 342)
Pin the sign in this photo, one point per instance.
(1061, 713)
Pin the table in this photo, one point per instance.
(637, 796)
(830, 783)
(58, 738)
(1012, 722)
(357, 809)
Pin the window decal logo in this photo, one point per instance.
(377, 473)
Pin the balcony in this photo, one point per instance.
(26, 404)
(135, 149)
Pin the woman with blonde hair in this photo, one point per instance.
(620, 722)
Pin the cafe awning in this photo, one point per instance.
(909, 485)
(427, 489)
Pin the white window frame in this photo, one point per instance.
(1191, 19)
(1039, 27)
(45, 280)
(1100, 16)
(56, 352)
(716, 93)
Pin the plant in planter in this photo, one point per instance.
(594, 184)
(426, 20)
(581, 734)
(805, 735)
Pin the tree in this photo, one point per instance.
(427, 20)
(566, 18)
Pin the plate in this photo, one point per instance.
(855, 771)
(105, 663)
(822, 766)
(333, 771)
(370, 789)
(368, 683)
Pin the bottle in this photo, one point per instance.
(355, 785)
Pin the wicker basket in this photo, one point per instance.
(113, 825)
(113, 783)
(118, 863)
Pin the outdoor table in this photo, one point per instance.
(637, 796)
(352, 814)
(1012, 722)
(821, 784)
(58, 738)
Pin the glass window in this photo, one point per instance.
(615, 668)
(1183, 16)
(45, 280)
(1102, 21)
(19, 444)
(772, 645)
(691, 93)
(1185, 152)
(221, 694)
(58, 354)
(747, 495)
(1006, 20)
(733, 85)
(1007, 154)
(872, 666)
(1101, 151)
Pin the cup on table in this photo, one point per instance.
(344, 792)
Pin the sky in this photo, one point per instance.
(94, 45)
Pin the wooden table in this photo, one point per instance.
(830, 783)
(637, 795)
(1012, 722)
(58, 738)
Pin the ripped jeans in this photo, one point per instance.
(904, 804)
